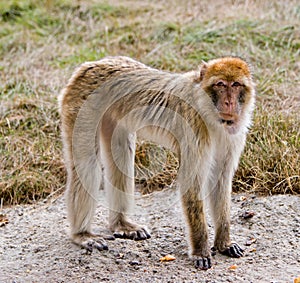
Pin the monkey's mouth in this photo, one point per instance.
(227, 122)
(227, 119)
(230, 122)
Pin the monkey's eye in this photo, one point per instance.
(236, 84)
(220, 83)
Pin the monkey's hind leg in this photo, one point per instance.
(119, 152)
(83, 182)
(81, 204)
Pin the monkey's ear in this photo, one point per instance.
(202, 71)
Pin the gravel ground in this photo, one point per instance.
(34, 246)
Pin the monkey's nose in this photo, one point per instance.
(228, 106)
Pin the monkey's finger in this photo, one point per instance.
(100, 246)
(138, 235)
(119, 234)
(125, 235)
(203, 263)
(233, 251)
(237, 246)
(213, 251)
(239, 253)
(88, 246)
(236, 250)
(91, 244)
(142, 235)
(147, 233)
(109, 237)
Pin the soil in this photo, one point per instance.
(34, 244)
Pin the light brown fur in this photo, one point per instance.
(202, 115)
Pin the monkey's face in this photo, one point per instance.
(228, 97)
(228, 83)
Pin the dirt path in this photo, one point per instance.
(34, 246)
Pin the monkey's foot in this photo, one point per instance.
(89, 241)
(202, 263)
(128, 230)
(234, 250)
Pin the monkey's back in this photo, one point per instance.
(88, 77)
(131, 81)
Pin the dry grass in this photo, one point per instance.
(41, 42)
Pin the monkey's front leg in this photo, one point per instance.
(119, 183)
(121, 197)
(198, 237)
(220, 200)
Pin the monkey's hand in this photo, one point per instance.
(202, 263)
(90, 241)
(234, 250)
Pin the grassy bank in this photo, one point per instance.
(41, 42)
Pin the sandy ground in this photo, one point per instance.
(34, 246)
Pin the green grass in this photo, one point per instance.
(41, 43)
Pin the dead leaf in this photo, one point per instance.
(297, 280)
(243, 198)
(3, 220)
(233, 267)
(253, 251)
(168, 258)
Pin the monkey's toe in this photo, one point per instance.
(203, 263)
(234, 250)
(138, 235)
(96, 243)
(142, 234)
(90, 241)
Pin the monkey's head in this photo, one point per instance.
(228, 83)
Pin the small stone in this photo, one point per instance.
(134, 262)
